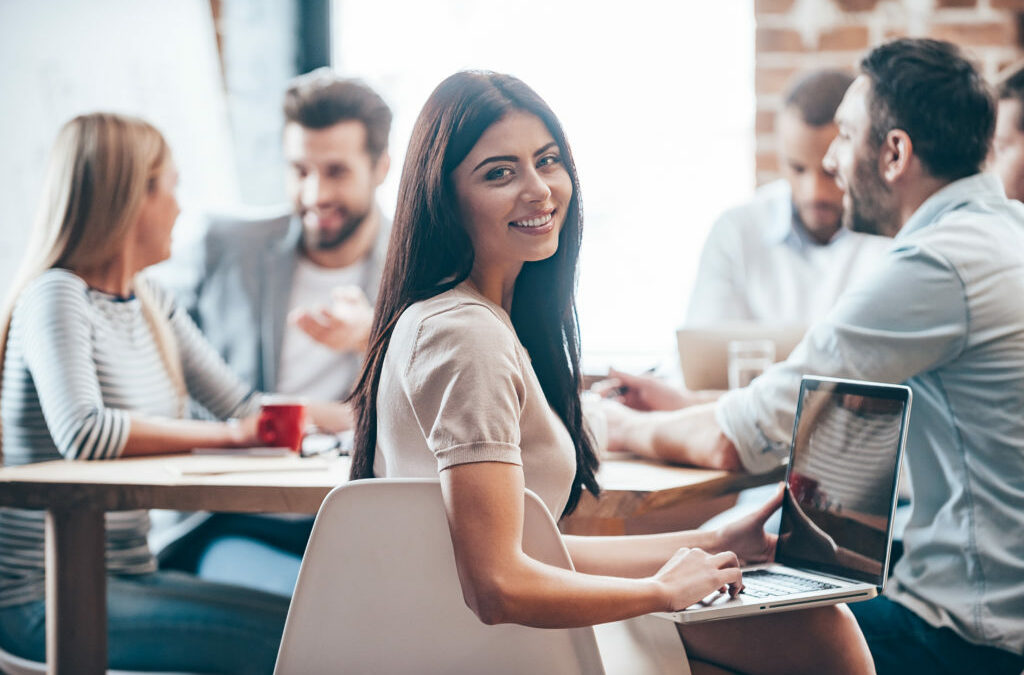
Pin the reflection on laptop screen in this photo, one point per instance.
(842, 478)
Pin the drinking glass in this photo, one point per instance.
(748, 359)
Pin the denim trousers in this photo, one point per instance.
(170, 621)
(902, 643)
(257, 551)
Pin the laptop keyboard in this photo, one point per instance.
(765, 584)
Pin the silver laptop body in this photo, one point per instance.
(840, 499)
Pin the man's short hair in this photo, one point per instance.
(1011, 86)
(928, 89)
(817, 95)
(320, 99)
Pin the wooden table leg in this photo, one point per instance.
(76, 592)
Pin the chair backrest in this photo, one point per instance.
(15, 665)
(378, 592)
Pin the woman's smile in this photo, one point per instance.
(536, 224)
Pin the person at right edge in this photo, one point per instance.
(944, 314)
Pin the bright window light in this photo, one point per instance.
(657, 100)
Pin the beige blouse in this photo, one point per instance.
(457, 387)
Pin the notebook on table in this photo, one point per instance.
(840, 500)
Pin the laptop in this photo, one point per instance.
(704, 351)
(840, 499)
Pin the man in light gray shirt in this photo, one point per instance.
(944, 313)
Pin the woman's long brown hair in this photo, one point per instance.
(430, 253)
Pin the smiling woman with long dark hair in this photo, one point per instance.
(432, 252)
(473, 375)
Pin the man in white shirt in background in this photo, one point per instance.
(783, 258)
(1008, 143)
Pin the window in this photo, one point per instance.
(657, 101)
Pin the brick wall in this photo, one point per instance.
(799, 35)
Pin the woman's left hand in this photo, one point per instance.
(244, 432)
(746, 536)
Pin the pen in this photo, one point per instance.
(623, 388)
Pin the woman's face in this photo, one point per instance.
(513, 192)
(156, 219)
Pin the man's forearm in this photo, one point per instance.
(689, 436)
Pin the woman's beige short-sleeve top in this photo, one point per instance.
(457, 387)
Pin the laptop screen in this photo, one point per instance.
(842, 478)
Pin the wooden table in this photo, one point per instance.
(76, 494)
(640, 496)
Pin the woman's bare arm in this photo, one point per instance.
(635, 555)
(501, 584)
(157, 436)
(641, 555)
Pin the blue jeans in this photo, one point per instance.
(903, 643)
(251, 563)
(255, 551)
(169, 621)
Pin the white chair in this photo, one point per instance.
(15, 665)
(378, 592)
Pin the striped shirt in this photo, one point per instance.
(79, 363)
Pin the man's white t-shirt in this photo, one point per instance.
(760, 265)
(307, 367)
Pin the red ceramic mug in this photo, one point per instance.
(282, 424)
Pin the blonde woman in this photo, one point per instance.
(97, 364)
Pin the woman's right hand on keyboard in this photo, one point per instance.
(692, 574)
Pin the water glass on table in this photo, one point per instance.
(748, 359)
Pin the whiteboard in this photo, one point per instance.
(152, 58)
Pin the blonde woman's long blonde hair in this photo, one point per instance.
(101, 168)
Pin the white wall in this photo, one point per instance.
(260, 41)
(152, 58)
(657, 100)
